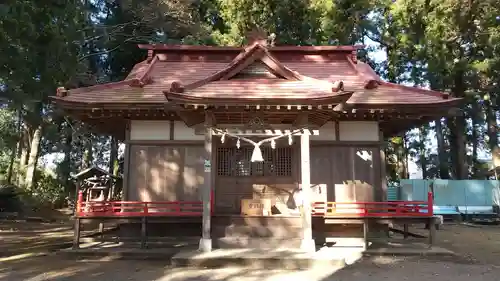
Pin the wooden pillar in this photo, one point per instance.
(365, 233)
(432, 231)
(405, 231)
(126, 165)
(144, 235)
(308, 243)
(76, 237)
(101, 230)
(383, 172)
(206, 189)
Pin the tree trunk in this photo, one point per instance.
(405, 147)
(444, 172)
(66, 164)
(400, 158)
(475, 142)
(113, 154)
(458, 131)
(462, 169)
(492, 129)
(33, 158)
(88, 154)
(421, 150)
(113, 163)
(457, 147)
(14, 148)
(24, 151)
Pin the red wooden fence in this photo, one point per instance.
(195, 208)
(375, 209)
(140, 208)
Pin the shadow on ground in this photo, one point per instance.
(52, 268)
(478, 249)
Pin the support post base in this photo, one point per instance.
(308, 245)
(205, 245)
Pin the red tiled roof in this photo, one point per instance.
(209, 79)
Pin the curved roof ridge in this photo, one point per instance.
(250, 54)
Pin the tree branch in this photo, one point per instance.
(106, 51)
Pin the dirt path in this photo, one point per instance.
(476, 244)
(479, 246)
(22, 236)
(376, 269)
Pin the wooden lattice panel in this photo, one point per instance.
(232, 161)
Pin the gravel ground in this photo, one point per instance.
(479, 250)
(368, 270)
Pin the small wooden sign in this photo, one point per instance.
(255, 207)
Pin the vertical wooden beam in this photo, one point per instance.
(101, 230)
(432, 230)
(308, 243)
(365, 234)
(214, 174)
(126, 164)
(143, 232)
(383, 175)
(337, 131)
(172, 129)
(206, 241)
(76, 237)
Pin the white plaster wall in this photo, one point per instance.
(160, 130)
(358, 131)
(149, 130)
(183, 132)
(326, 132)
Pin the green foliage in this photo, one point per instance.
(48, 189)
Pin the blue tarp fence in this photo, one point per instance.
(465, 195)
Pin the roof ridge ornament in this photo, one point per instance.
(150, 56)
(176, 87)
(61, 92)
(338, 86)
(354, 57)
(257, 36)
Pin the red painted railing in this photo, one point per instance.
(139, 208)
(195, 208)
(375, 209)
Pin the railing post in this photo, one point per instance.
(430, 204)
(79, 202)
(145, 209)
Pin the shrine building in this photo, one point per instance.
(254, 142)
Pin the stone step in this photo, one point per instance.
(258, 259)
(256, 243)
(257, 231)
